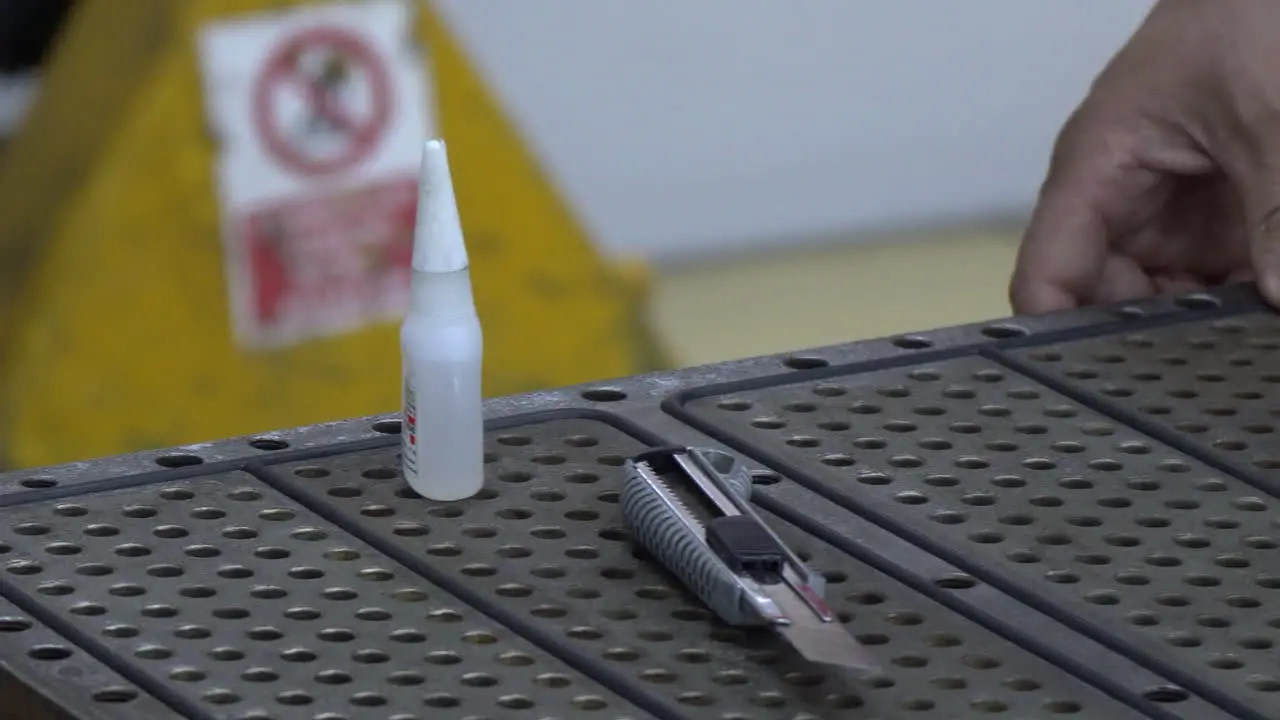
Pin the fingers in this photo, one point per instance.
(1264, 247)
(1258, 181)
(1122, 279)
(1092, 189)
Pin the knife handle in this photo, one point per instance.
(658, 528)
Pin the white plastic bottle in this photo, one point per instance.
(441, 349)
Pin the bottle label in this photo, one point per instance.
(409, 430)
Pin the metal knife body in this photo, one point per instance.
(690, 508)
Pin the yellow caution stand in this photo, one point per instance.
(115, 327)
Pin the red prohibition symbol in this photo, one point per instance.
(340, 94)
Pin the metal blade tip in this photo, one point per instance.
(830, 644)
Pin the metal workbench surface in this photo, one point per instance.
(1063, 516)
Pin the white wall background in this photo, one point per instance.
(679, 128)
(684, 127)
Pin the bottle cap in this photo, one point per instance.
(438, 245)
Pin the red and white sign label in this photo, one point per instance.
(320, 113)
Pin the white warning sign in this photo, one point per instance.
(319, 114)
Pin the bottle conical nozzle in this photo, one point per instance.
(438, 245)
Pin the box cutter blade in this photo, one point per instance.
(690, 508)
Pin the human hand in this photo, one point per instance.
(1167, 177)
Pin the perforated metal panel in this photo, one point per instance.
(546, 542)
(1212, 384)
(42, 670)
(230, 601)
(1075, 510)
(1068, 516)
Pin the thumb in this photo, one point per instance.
(1063, 250)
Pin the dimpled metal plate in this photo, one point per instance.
(545, 541)
(234, 602)
(1071, 509)
(55, 668)
(1215, 384)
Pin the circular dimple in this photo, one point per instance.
(294, 698)
(177, 460)
(1264, 684)
(1260, 543)
(805, 362)
(904, 618)
(1039, 464)
(1172, 600)
(441, 700)
(311, 472)
(1004, 331)
(386, 427)
(544, 532)
(177, 495)
(1133, 578)
(115, 694)
(948, 517)
(904, 461)
(1225, 662)
(873, 478)
(1192, 541)
(955, 582)
(226, 654)
(444, 550)
(912, 342)
(1142, 618)
(336, 635)
(479, 570)
(1016, 519)
(260, 675)
(153, 652)
(220, 697)
(987, 537)
(298, 655)
(373, 615)
(206, 551)
(193, 632)
(911, 498)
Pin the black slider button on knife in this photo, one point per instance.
(746, 547)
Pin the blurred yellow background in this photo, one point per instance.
(784, 301)
(639, 188)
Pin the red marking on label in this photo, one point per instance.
(340, 60)
(315, 266)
